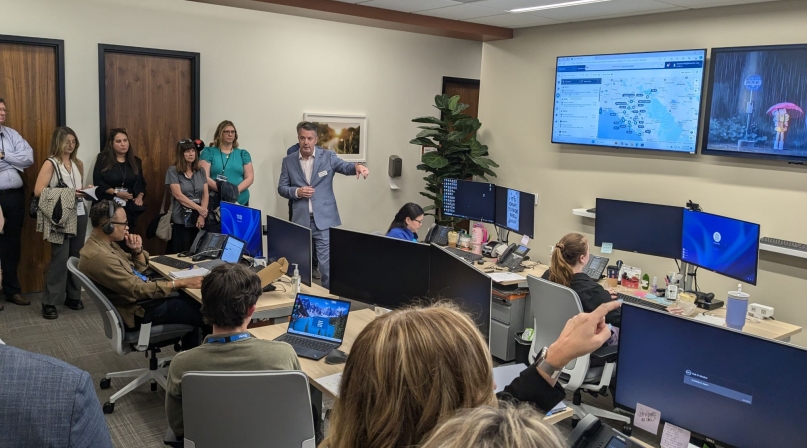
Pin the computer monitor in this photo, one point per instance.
(378, 270)
(233, 249)
(469, 200)
(515, 211)
(727, 246)
(292, 241)
(644, 101)
(735, 388)
(453, 278)
(650, 229)
(244, 223)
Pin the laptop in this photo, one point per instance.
(231, 253)
(317, 325)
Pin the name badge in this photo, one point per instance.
(80, 207)
(221, 177)
(322, 173)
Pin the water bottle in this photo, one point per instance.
(737, 308)
(295, 280)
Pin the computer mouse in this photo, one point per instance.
(336, 356)
(480, 261)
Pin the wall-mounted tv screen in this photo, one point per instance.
(755, 103)
(631, 100)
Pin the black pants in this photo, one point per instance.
(182, 309)
(181, 238)
(14, 209)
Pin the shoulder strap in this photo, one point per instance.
(162, 203)
(58, 172)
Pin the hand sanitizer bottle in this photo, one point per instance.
(295, 280)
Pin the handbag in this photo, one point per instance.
(160, 226)
(33, 204)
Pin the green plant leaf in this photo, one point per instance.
(434, 160)
(428, 133)
(436, 128)
(422, 141)
(428, 120)
(441, 101)
(429, 207)
(457, 136)
(452, 103)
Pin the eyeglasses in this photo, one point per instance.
(124, 223)
(419, 221)
(228, 132)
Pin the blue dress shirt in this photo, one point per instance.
(402, 233)
(19, 156)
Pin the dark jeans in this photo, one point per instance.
(181, 238)
(182, 309)
(14, 209)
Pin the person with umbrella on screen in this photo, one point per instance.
(781, 121)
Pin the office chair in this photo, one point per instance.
(147, 339)
(252, 409)
(552, 306)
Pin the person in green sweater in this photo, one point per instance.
(229, 295)
(225, 161)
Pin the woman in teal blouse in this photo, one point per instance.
(224, 160)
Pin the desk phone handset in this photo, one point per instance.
(590, 432)
(438, 235)
(513, 256)
(207, 245)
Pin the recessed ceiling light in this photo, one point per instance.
(558, 5)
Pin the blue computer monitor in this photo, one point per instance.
(724, 245)
(244, 223)
(469, 200)
(730, 386)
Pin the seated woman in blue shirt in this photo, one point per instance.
(406, 223)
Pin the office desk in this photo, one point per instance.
(772, 329)
(272, 304)
(315, 370)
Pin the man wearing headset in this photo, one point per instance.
(119, 276)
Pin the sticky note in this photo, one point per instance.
(674, 437)
(607, 248)
(646, 418)
(525, 240)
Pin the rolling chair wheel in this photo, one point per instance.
(109, 408)
(105, 383)
(627, 429)
(177, 347)
(153, 386)
(575, 421)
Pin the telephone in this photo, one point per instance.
(207, 245)
(438, 235)
(590, 432)
(595, 267)
(513, 256)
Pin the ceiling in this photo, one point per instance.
(496, 12)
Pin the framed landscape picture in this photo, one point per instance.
(346, 135)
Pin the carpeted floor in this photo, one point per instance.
(77, 337)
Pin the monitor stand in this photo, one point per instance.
(687, 276)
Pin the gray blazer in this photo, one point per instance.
(326, 165)
(45, 402)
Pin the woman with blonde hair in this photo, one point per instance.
(411, 369)
(224, 161)
(569, 256)
(506, 426)
(60, 286)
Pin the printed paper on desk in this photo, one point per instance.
(331, 383)
(646, 418)
(500, 277)
(606, 248)
(674, 437)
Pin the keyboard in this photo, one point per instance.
(210, 264)
(464, 254)
(173, 262)
(641, 302)
(299, 341)
(784, 244)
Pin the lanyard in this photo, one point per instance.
(233, 338)
(193, 185)
(123, 171)
(223, 163)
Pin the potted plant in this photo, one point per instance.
(456, 153)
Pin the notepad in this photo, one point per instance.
(197, 272)
(331, 383)
(506, 277)
(90, 192)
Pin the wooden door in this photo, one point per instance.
(154, 95)
(32, 85)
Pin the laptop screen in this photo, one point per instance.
(319, 317)
(232, 250)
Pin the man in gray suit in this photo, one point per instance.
(307, 178)
(45, 402)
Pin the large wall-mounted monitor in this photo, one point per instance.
(756, 101)
(632, 100)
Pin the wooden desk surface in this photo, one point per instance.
(771, 329)
(268, 301)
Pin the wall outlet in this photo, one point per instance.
(763, 311)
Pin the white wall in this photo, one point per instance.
(516, 111)
(263, 71)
